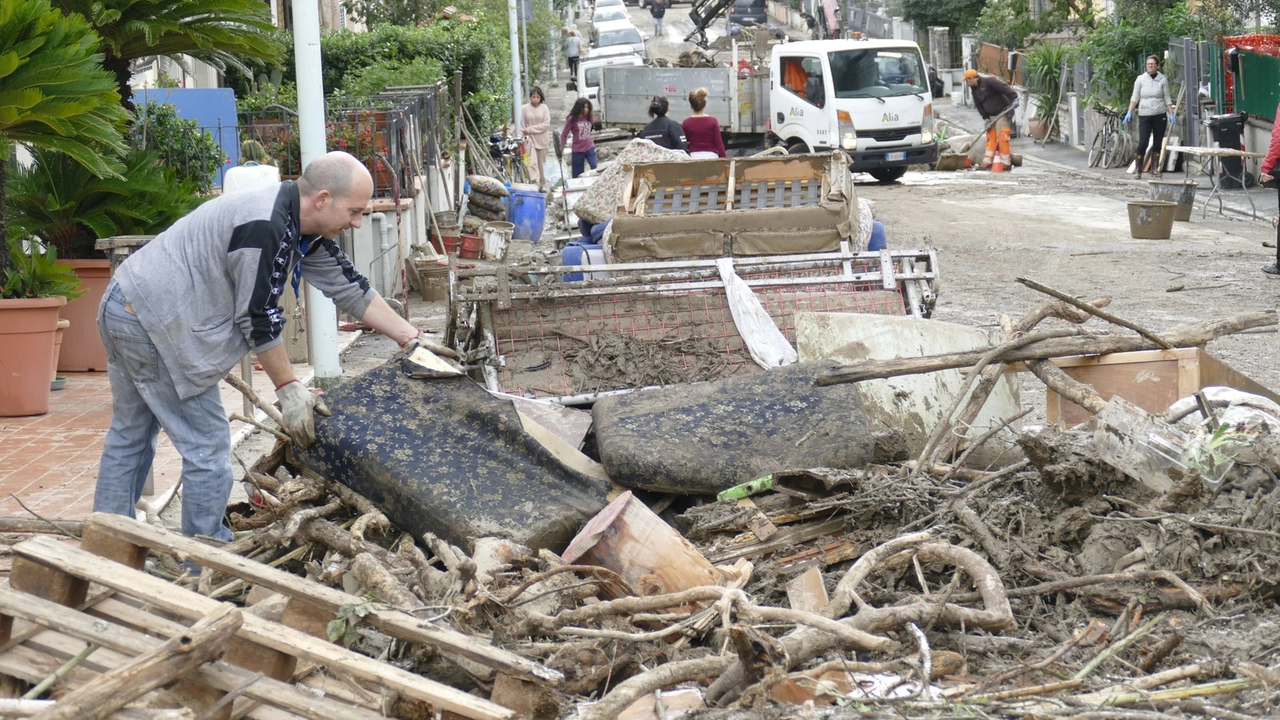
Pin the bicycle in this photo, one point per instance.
(510, 152)
(1112, 147)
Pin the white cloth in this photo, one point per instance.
(703, 155)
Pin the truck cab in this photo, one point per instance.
(869, 98)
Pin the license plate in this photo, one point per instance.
(895, 156)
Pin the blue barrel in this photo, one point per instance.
(528, 212)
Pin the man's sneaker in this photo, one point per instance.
(1272, 271)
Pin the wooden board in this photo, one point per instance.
(393, 622)
(1151, 379)
(120, 642)
(81, 564)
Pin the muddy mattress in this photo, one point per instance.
(445, 456)
(705, 437)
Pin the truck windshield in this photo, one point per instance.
(876, 73)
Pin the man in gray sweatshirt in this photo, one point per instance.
(183, 310)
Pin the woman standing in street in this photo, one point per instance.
(535, 119)
(573, 49)
(662, 130)
(702, 130)
(1152, 101)
(578, 124)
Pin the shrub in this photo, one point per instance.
(180, 143)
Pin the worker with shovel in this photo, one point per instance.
(994, 101)
(186, 308)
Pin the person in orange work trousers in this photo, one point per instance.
(993, 98)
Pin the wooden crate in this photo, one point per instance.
(1151, 379)
(62, 596)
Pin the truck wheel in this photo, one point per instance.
(887, 175)
(797, 148)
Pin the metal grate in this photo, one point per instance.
(893, 135)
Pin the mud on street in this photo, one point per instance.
(1072, 233)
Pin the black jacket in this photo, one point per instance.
(991, 96)
(658, 8)
(665, 132)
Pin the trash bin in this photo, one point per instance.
(1227, 131)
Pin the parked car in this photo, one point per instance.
(611, 14)
(609, 3)
(620, 34)
(748, 12)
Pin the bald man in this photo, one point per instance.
(182, 311)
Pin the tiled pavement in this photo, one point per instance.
(50, 461)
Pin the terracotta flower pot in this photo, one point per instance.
(57, 347)
(27, 328)
(81, 346)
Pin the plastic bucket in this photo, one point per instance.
(452, 244)
(1183, 194)
(1151, 219)
(497, 235)
(470, 247)
(528, 213)
(447, 233)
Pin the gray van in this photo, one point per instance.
(749, 12)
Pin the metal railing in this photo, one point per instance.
(395, 135)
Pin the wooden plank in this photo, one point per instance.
(33, 666)
(128, 615)
(155, 668)
(807, 591)
(185, 603)
(16, 707)
(125, 641)
(46, 582)
(393, 622)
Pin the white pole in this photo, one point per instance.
(322, 317)
(517, 92)
(524, 36)
(555, 41)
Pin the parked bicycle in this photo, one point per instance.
(1112, 146)
(509, 152)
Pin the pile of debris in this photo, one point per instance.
(1123, 568)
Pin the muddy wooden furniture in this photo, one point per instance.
(1151, 379)
(63, 596)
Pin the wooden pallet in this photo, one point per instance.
(48, 615)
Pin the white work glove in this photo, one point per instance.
(298, 408)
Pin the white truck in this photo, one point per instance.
(869, 98)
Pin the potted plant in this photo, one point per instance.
(35, 286)
(1045, 66)
(61, 203)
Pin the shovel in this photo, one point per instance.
(956, 160)
(564, 182)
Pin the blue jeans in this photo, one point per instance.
(583, 158)
(144, 400)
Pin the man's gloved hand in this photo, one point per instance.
(1128, 115)
(298, 407)
(1173, 120)
(419, 341)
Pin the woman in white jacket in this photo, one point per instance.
(1152, 101)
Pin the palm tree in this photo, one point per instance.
(219, 32)
(53, 91)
